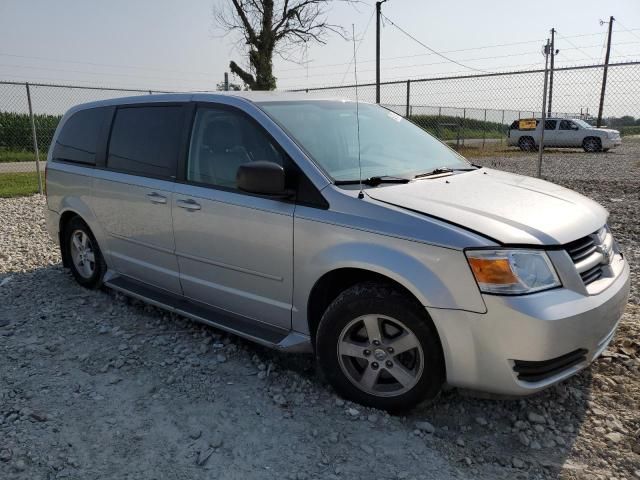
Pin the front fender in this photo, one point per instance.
(438, 277)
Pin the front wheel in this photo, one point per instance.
(377, 347)
(592, 144)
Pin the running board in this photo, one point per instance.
(259, 332)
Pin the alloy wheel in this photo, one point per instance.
(380, 355)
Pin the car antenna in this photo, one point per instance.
(355, 74)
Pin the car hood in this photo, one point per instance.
(508, 208)
(604, 130)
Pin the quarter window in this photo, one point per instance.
(221, 141)
(78, 140)
(146, 141)
(550, 124)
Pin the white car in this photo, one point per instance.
(562, 132)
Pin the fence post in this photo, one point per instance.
(502, 132)
(150, 92)
(408, 98)
(35, 139)
(464, 117)
(484, 128)
(438, 133)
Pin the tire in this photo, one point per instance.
(86, 262)
(592, 144)
(364, 367)
(527, 144)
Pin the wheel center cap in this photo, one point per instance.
(379, 354)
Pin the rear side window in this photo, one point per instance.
(550, 124)
(78, 140)
(146, 141)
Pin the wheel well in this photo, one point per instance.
(333, 283)
(65, 218)
(591, 137)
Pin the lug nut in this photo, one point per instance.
(376, 342)
(367, 353)
(390, 349)
(389, 364)
(375, 365)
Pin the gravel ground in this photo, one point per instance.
(96, 385)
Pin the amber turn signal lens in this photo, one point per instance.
(495, 271)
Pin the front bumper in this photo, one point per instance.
(611, 142)
(481, 349)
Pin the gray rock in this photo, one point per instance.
(221, 358)
(353, 412)
(216, 441)
(524, 439)
(5, 455)
(368, 449)
(536, 418)
(517, 463)
(481, 421)
(280, 400)
(614, 437)
(425, 427)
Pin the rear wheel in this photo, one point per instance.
(592, 144)
(377, 346)
(85, 259)
(527, 144)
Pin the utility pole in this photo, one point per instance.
(226, 81)
(604, 74)
(547, 49)
(378, 13)
(553, 54)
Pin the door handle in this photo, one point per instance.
(155, 197)
(188, 204)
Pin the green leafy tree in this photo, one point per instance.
(274, 27)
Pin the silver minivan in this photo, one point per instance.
(342, 230)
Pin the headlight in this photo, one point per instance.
(512, 271)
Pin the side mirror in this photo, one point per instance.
(263, 178)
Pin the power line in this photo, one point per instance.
(110, 65)
(575, 46)
(471, 59)
(84, 72)
(358, 47)
(625, 29)
(429, 48)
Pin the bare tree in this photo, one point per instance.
(271, 27)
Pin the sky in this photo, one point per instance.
(177, 45)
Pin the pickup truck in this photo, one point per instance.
(562, 132)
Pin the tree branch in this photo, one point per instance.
(244, 76)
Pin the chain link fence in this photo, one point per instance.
(476, 110)
(472, 111)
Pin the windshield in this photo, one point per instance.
(582, 123)
(389, 144)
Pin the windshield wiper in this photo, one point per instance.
(374, 181)
(441, 170)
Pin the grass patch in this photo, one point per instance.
(18, 184)
(8, 155)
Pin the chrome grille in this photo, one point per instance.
(590, 254)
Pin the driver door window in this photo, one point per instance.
(568, 134)
(221, 141)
